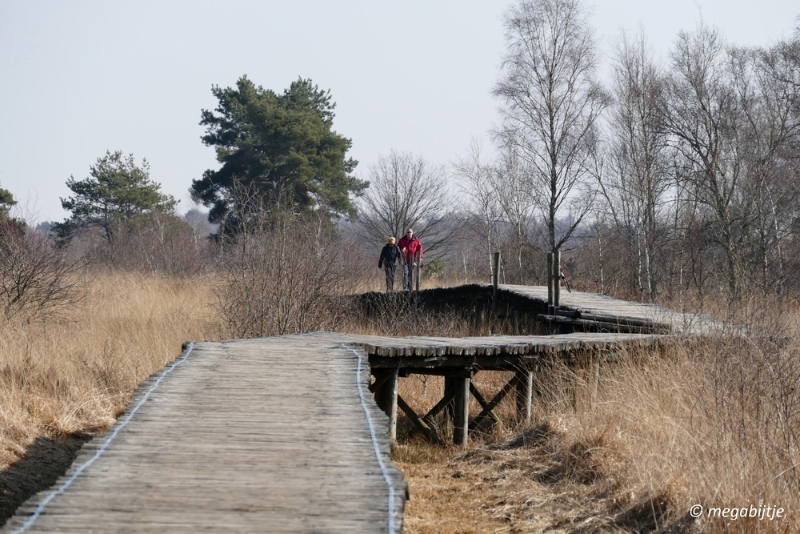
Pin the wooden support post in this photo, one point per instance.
(495, 279)
(386, 397)
(596, 376)
(524, 384)
(416, 277)
(448, 399)
(461, 416)
(390, 392)
(596, 382)
(549, 279)
(557, 278)
(447, 396)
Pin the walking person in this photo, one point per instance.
(390, 256)
(411, 250)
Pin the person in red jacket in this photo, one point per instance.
(411, 250)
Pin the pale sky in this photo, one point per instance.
(82, 77)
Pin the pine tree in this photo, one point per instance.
(278, 147)
(116, 192)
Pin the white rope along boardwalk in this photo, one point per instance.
(264, 435)
(375, 444)
(82, 466)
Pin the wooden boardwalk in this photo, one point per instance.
(603, 305)
(282, 434)
(266, 435)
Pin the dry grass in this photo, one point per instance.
(76, 375)
(714, 423)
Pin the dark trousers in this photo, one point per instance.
(389, 277)
(408, 274)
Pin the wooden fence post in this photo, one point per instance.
(549, 279)
(557, 278)
(495, 279)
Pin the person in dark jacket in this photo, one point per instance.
(390, 256)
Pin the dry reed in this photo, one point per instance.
(76, 375)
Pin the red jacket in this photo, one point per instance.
(411, 248)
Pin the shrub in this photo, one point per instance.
(283, 278)
(35, 277)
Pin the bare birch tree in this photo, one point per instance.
(705, 119)
(766, 88)
(500, 197)
(637, 180)
(475, 178)
(516, 193)
(551, 102)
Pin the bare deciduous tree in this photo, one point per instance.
(551, 102)
(281, 273)
(475, 178)
(406, 192)
(514, 184)
(767, 93)
(705, 118)
(500, 198)
(637, 179)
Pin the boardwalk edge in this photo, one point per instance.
(90, 448)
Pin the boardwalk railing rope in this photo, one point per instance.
(375, 446)
(39, 509)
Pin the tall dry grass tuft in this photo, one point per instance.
(399, 314)
(75, 375)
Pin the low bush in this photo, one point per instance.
(36, 279)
